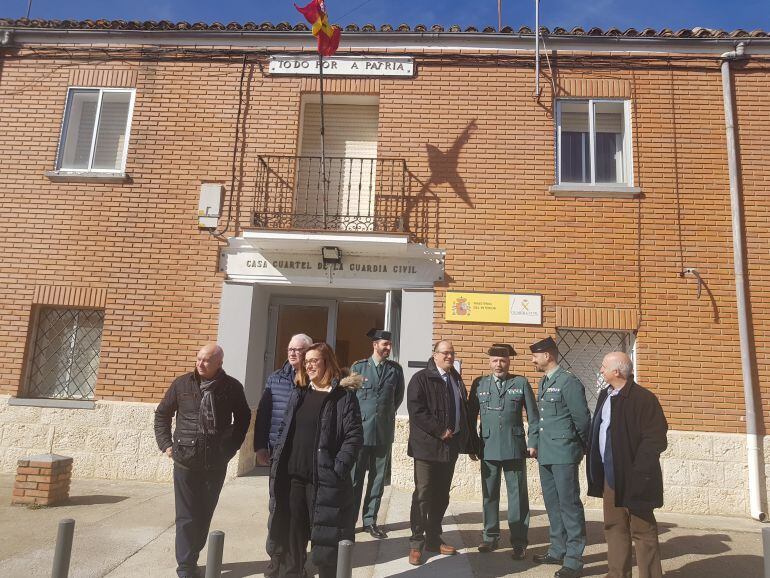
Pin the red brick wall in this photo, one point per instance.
(139, 240)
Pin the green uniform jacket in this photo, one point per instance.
(379, 399)
(565, 421)
(502, 426)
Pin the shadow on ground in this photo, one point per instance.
(93, 500)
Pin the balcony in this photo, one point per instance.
(362, 194)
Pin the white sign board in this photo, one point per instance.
(308, 270)
(307, 65)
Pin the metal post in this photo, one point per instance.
(345, 559)
(325, 185)
(63, 552)
(537, 48)
(766, 550)
(214, 558)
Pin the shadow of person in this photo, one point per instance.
(720, 567)
(706, 544)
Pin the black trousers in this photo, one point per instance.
(300, 497)
(196, 493)
(432, 481)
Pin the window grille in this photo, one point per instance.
(65, 355)
(581, 351)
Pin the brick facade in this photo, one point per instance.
(137, 241)
(479, 149)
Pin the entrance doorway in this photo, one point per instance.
(342, 323)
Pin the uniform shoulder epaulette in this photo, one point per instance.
(360, 361)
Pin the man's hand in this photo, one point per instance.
(263, 457)
(473, 457)
(169, 452)
(446, 435)
(532, 452)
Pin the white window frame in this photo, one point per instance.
(628, 165)
(65, 122)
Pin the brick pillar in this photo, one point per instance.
(43, 480)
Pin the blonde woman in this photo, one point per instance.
(311, 487)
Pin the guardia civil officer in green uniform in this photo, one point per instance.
(379, 397)
(563, 437)
(499, 399)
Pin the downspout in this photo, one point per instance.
(739, 259)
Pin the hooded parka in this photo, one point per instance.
(338, 440)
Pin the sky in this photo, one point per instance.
(674, 14)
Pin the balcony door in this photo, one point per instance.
(351, 165)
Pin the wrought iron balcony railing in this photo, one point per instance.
(361, 194)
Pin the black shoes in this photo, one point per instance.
(488, 546)
(546, 559)
(565, 572)
(375, 532)
(519, 552)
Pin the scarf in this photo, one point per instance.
(207, 416)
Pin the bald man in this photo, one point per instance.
(628, 434)
(212, 417)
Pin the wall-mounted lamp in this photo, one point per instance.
(331, 255)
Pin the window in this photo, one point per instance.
(65, 353)
(581, 351)
(593, 140)
(95, 131)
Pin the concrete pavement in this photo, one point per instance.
(125, 530)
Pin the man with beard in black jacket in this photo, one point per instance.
(212, 417)
(439, 430)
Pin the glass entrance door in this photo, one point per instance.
(342, 323)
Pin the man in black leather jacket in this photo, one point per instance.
(212, 417)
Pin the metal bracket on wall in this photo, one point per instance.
(696, 274)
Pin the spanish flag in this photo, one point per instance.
(328, 36)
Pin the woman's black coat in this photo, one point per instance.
(338, 441)
(638, 435)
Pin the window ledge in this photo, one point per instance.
(601, 191)
(87, 177)
(54, 403)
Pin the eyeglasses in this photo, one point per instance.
(446, 353)
(313, 361)
(295, 349)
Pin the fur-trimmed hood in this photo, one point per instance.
(352, 382)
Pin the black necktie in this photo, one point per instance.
(452, 403)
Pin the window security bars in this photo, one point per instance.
(65, 354)
(581, 351)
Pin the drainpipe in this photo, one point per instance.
(5, 38)
(739, 259)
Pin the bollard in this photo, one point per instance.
(63, 552)
(766, 550)
(214, 558)
(345, 559)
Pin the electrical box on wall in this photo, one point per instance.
(210, 205)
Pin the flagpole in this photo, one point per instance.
(323, 143)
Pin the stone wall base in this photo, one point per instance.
(115, 440)
(704, 473)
